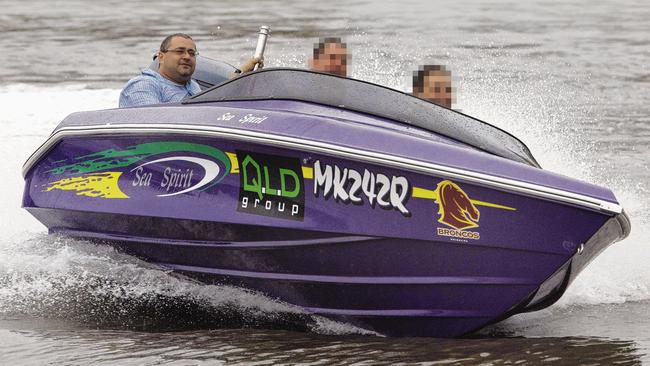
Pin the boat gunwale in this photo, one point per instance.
(413, 165)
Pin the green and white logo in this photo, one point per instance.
(271, 185)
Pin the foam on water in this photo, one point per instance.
(552, 127)
(45, 275)
(57, 277)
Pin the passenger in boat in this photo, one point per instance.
(172, 82)
(331, 55)
(433, 83)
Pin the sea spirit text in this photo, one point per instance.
(172, 179)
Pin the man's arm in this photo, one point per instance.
(140, 92)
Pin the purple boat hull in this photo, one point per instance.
(406, 233)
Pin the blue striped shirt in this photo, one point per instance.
(153, 88)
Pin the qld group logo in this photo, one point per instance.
(123, 173)
(271, 186)
(456, 211)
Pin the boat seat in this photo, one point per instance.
(208, 72)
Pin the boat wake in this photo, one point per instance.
(55, 277)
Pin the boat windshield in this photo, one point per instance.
(368, 98)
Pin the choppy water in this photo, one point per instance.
(570, 79)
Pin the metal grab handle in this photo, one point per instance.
(264, 32)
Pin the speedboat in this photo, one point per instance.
(347, 199)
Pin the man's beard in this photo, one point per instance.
(185, 71)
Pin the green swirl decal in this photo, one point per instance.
(112, 159)
(90, 175)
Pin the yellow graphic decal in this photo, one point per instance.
(234, 164)
(424, 193)
(433, 195)
(102, 185)
(457, 211)
(308, 172)
(493, 205)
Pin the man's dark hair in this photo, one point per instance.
(423, 71)
(319, 48)
(165, 43)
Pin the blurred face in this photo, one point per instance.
(178, 62)
(333, 60)
(437, 88)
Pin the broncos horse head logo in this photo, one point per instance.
(456, 209)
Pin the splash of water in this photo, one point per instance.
(63, 278)
(550, 115)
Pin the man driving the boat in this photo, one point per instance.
(172, 82)
(331, 56)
